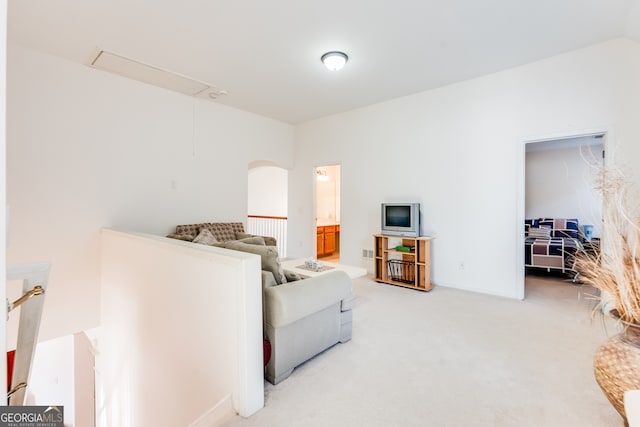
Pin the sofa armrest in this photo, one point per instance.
(289, 302)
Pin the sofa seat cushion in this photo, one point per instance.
(268, 256)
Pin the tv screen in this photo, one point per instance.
(399, 216)
(401, 219)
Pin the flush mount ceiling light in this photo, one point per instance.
(334, 60)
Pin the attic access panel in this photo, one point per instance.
(145, 73)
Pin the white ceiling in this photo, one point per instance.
(266, 54)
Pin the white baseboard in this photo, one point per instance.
(216, 416)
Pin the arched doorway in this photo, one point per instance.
(267, 203)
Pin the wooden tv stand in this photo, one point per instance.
(408, 269)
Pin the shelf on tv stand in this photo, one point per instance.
(418, 261)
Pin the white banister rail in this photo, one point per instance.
(34, 283)
(272, 226)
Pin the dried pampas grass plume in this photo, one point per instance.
(616, 269)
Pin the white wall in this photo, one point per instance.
(458, 150)
(63, 374)
(268, 191)
(88, 149)
(52, 379)
(84, 365)
(180, 339)
(560, 183)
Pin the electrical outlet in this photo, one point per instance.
(364, 253)
(461, 265)
(370, 253)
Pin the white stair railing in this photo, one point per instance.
(272, 226)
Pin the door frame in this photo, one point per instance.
(315, 201)
(607, 141)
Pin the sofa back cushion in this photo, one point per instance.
(185, 237)
(222, 231)
(268, 256)
(253, 240)
(268, 240)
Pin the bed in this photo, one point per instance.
(551, 244)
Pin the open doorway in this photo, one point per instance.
(328, 213)
(267, 202)
(562, 209)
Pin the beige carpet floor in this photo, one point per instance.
(452, 358)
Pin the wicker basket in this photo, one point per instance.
(617, 366)
(401, 271)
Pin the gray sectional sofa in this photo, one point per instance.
(301, 318)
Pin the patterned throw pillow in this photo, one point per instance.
(205, 237)
(540, 233)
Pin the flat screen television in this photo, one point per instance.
(400, 219)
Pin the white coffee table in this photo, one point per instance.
(294, 264)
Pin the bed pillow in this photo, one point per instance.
(528, 224)
(540, 233)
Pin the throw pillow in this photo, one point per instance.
(205, 237)
(268, 257)
(291, 276)
(540, 233)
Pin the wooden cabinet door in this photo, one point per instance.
(329, 242)
(320, 242)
